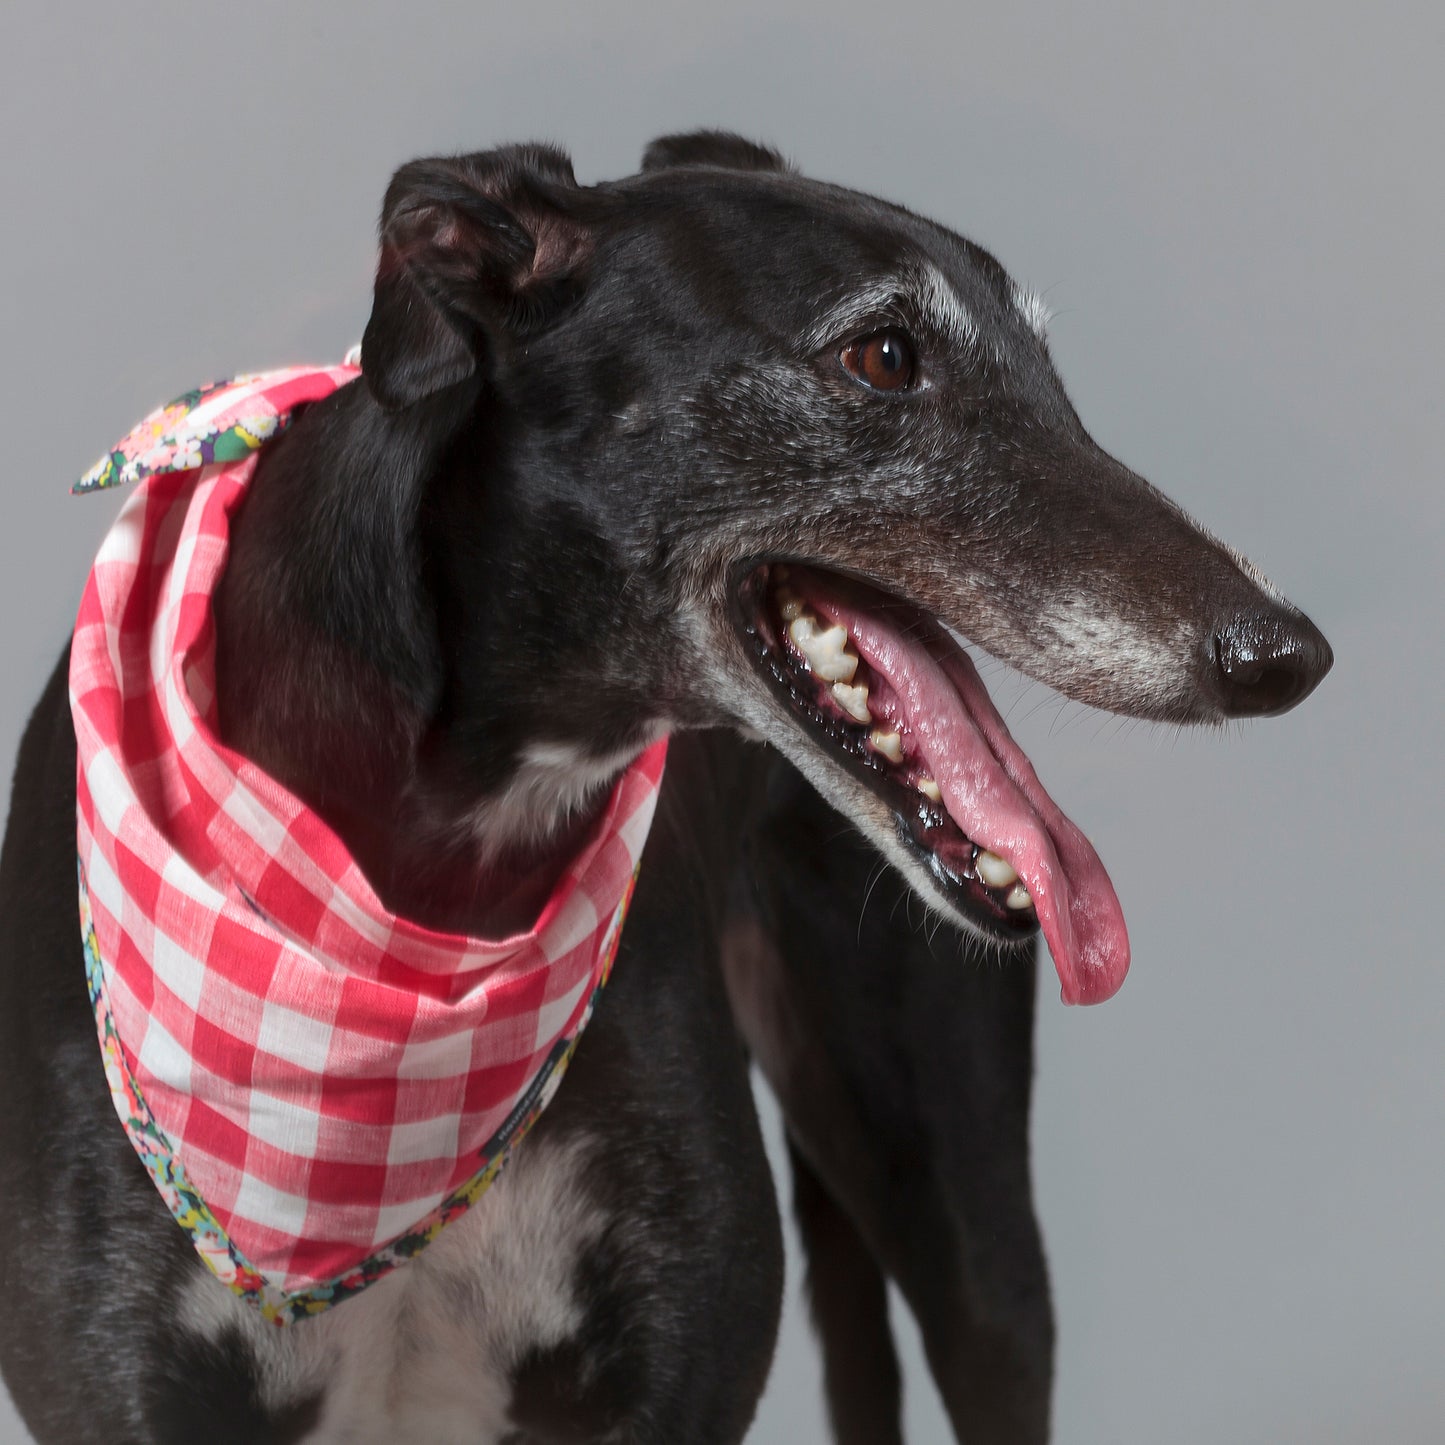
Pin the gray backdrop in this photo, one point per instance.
(1236, 211)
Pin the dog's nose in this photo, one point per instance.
(1267, 661)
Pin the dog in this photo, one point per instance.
(726, 454)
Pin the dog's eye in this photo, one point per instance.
(883, 361)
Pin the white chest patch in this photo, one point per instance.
(428, 1353)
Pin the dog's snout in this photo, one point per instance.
(1266, 661)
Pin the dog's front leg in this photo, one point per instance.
(848, 1300)
(903, 1063)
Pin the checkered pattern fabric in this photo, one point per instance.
(315, 1084)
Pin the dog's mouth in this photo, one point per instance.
(883, 689)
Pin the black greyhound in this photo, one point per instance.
(726, 452)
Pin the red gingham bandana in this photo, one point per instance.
(315, 1085)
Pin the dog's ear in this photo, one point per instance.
(712, 148)
(475, 250)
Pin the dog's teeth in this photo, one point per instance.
(835, 661)
(1019, 897)
(998, 873)
(853, 700)
(802, 629)
(790, 606)
(929, 788)
(826, 649)
(889, 744)
(802, 625)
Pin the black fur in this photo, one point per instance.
(905, 1079)
(586, 412)
(711, 148)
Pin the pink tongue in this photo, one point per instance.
(995, 797)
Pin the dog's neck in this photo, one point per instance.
(372, 659)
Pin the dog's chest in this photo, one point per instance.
(429, 1352)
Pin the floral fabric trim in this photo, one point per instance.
(169, 440)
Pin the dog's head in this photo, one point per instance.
(732, 446)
